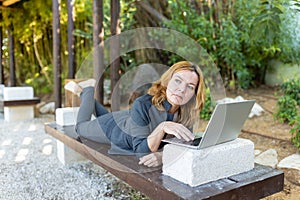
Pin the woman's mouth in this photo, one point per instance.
(177, 96)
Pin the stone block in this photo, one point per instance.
(66, 116)
(67, 155)
(196, 167)
(18, 113)
(17, 93)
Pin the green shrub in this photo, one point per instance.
(288, 103)
(295, 131)
(287, 111)
(292, 89)
(208, 108)
(242, 37)
(288, 107)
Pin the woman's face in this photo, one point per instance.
(181, 88)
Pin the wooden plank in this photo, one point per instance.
(260, 182)
(19, 102)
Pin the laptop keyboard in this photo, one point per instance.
(196, 141)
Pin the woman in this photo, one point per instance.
(171, 106)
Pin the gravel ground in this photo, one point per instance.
(29, 168)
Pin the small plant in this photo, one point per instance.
(292, 89)
(287, 111)
(288, 107)
(288, 103)
(295, 131)
(208, 108)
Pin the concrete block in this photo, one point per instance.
(17, 93)
(66, 155)
(66, 116)
(196, 167)
(18, 113)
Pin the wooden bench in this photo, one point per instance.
(260, 182)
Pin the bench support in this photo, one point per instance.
(67, 155)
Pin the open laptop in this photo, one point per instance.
(224, 125)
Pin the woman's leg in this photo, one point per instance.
(87, 97)
(100, 109)
(86, 127)
(87, 105)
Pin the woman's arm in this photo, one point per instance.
(169, 127)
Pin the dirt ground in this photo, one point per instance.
(267, 133)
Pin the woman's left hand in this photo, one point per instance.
(152, 159)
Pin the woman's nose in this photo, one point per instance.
(182, 88)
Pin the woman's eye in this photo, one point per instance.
(191, 87)
(177, 81)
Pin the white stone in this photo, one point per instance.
(195, 167)
(267, 158)
(257, 152)
(67, 155)
(66, 116)
(17, 93)
(292, 162)
(47, 108)
(18, 113)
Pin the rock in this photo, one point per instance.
(48, 108)
(257, 152)
(267, 158)
(292, 161)
(41, 104)
(256, 110)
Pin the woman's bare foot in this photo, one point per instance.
(87, 83)
(73, 87)
(76, 88)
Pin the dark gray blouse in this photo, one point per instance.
(128, 130)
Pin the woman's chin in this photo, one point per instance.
(175, 102)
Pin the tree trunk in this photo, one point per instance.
(12, 67)
(71, 40)
(115, 54)
(56, 52)
(150, 13)
(98, 56)
(1, 53)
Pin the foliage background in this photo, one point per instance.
(242, 36)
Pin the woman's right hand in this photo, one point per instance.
(169, 127)
(178, 130)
